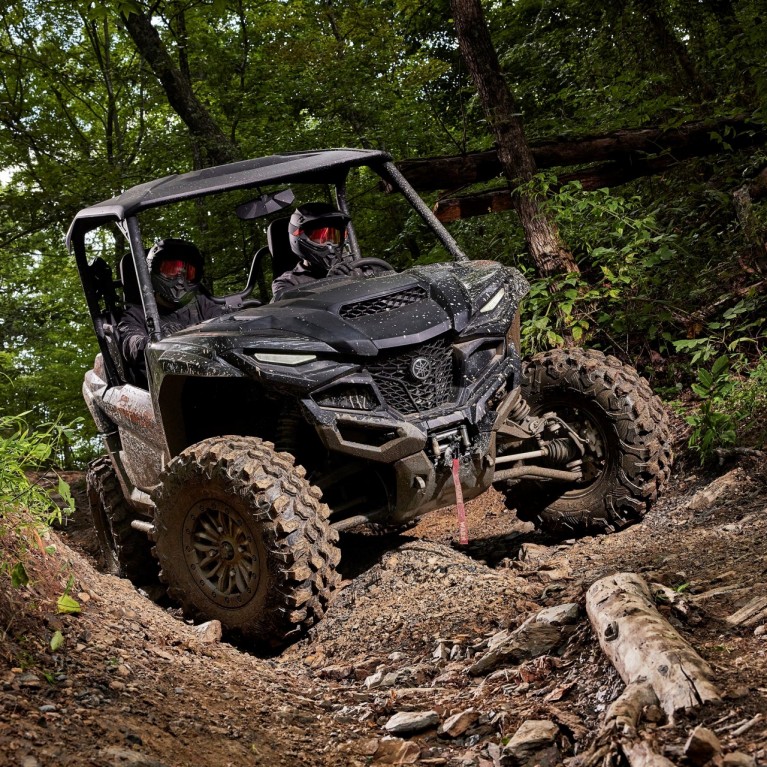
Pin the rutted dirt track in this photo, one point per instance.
(133, 684)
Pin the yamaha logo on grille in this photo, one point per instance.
(420, 368)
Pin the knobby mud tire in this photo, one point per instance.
(615, 402)
(126, 552)
(242, 537)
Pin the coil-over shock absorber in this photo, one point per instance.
(286, 433)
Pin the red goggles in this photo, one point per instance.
(174, 267)
(325, 235)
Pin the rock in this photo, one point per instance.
(374, 680)
(412, 721)
(336, 672)
(704, 499)
(533, 552)
(442, 651)
(528, 641)
(396, 751)
(553, 575)
(559, 615)
(702, 746)
(738, 759)
(498, 639)
(494, 753)
(456, 725)
(369, 747)
(123, 757)
(209, 632)
(534, 743)
(538, 635)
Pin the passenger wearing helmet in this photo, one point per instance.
(317, 233)
(176, 269)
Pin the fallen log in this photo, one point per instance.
(619, 732)
(625, 146)
(750, 614)
(644, 647)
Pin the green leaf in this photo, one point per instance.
(19, 576)
(68, 605)
(56, 640)
(705, 378)
(720, 365)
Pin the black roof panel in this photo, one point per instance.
(328, 165)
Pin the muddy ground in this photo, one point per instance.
(133, 684)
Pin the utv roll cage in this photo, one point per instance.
(329, 167)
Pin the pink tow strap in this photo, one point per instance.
(460, 509)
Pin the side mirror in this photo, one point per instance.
(265, 204)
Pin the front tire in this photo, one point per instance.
(627, 457)
(242, 537)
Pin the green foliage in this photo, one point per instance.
(739, 328)
(23, 451)
(712, 425)
(68, 605)
(626, 261)
(19, 575)
(57, 640)
(84, 117)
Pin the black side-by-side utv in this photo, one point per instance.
(258, 435)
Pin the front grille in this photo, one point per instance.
(348, 397)
(416, 379)
(383, 304)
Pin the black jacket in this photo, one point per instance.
(134, 334)
(299, 275)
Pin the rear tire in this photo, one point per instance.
(242, 537)
(628, 454)
(126, 551)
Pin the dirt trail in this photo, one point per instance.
(134, 684)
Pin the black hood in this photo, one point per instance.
(366, 316)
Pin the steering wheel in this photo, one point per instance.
(349, 267)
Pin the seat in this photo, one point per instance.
(235, 301)
(129, 280)
(107, 319)
(283, 258)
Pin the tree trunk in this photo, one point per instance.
(546, 249)
(665, 45)
(216, 147)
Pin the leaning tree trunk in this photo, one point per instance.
(541, 235)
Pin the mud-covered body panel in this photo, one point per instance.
(358, 341)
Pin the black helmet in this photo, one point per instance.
(176, 269)
(317, 232)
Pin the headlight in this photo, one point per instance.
(493, 302)
(284, 359)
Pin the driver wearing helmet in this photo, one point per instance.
(176, 268)
(317, 233)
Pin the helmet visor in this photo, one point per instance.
(173, 267)
(325, 235)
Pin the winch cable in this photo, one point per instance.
(460, 509)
